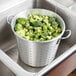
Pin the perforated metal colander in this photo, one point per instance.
(38, 53)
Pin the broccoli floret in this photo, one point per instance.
(21, 20)
(18, 27)
(21, 33)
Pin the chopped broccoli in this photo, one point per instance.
(18, 27)
(37, 28)
(21, 33)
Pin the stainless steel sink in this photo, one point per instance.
(66, 3)
(8, 42)
(13, 53)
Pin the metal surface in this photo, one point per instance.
(8, 42)
(37, 53)
(12, 9)
(66, 3)
(30, 71)
(59, 70)
(69, 17)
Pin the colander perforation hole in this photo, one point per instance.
(26, 58)
(50, 59)
(40, 58)
(30, 56)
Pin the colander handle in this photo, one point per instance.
(67, 34)
(9, 19)
(13, 66)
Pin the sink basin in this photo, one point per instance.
(8, 41)
(6, 4)
(73, 8)
(66, 3)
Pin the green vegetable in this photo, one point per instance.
(21, 33)
(38, 28)
(18, 27)
(21, 20)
